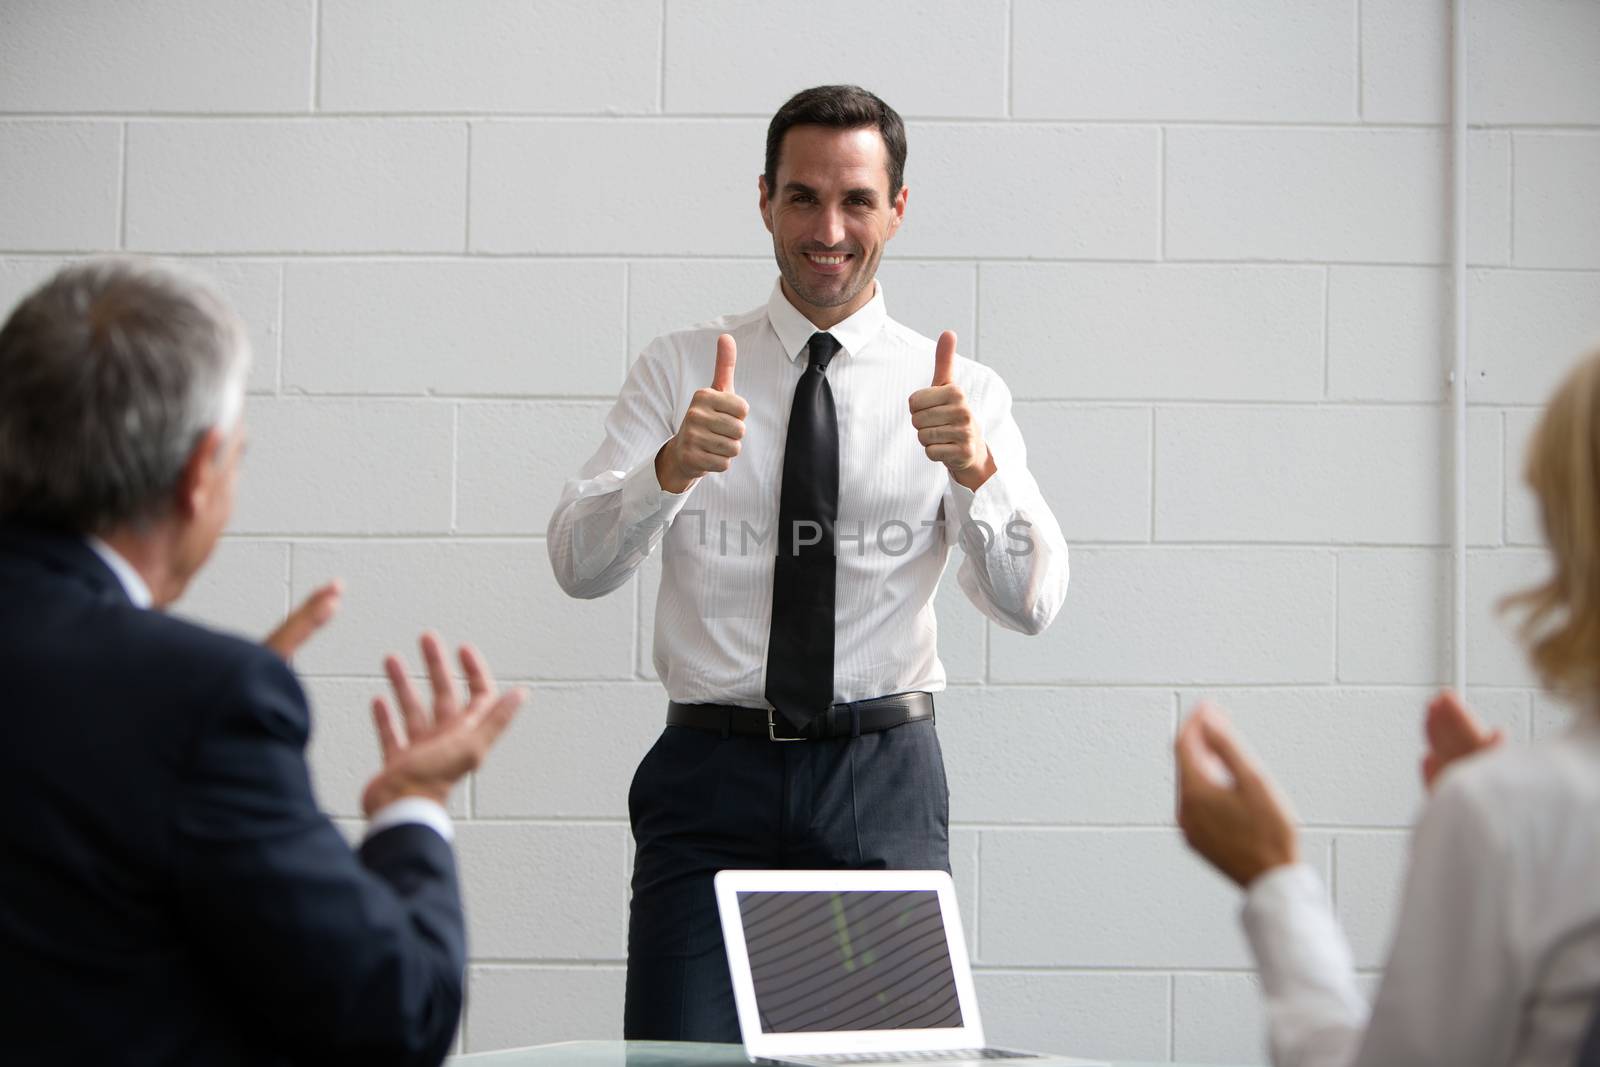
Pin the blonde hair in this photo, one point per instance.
(1560, 622)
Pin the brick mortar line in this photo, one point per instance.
(316, 55)
(441, 256)
(552, 963)
(1085, 403)
(664, 117)
(661, 70)
(122, 189)
(466, 239)
(1361, 71)
(1008, 60)
(442, 537)
(1172, 1016)
(1146, 829)
(377, 257)
(283, 314)
(1327, 331)
(455, 469)
(1420, 689)
(1511, 195)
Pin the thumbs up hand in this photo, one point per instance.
(708, 438)
(945, 425)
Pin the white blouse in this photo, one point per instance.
(1496, 957)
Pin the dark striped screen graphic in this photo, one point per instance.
(849, 961)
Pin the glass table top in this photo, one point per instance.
(626, 1054)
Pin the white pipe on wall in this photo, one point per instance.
(1458, 376)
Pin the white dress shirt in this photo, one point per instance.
(131, 580)
(718, 540)
(419, 810)
(1496, 957)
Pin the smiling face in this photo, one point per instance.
(830, 216)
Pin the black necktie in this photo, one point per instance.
(800, 655)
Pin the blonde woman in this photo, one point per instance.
(1496, 957)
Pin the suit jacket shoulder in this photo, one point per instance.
(172, 876)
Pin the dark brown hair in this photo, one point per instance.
(840, 107)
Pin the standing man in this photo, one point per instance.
(805, 467)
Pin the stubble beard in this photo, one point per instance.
(823, 298)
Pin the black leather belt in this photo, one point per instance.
(841, 720)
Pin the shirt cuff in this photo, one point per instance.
(981, 515)
(408, 811)
(1276, 887)
(1291, 929)
(643, 499)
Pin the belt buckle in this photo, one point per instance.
(772, 728)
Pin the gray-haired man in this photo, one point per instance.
(170, 892)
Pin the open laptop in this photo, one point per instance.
(854, 967)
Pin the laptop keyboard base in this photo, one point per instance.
(943, 1055)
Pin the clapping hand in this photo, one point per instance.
(312, 615)
(1454, 733)
(1229, 810)
(426, 752)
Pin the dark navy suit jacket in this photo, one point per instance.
(169, 891)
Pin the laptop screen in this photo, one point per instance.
(849, 960)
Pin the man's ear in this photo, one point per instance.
(198, 479)
(899, 209)
(765, 201)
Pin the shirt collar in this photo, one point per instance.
(132, 584)
(794, 330)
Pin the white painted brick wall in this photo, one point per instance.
(1123, 898)
(1535, 62)
(60, 181)
(1071, 755)
(1394, 613)
(647, 187)
(1167, 615)
(456, 327)
(1142, 332)
(1082, 59)
(1555, 201)
(1045, 190)
(394, 477)
(1202, 240)
(1388, 333)
(509, 1006)
(1217, 1018)
(354, 185)
(1105, 1015)
(547, 56)
(157, 55)
(500, 595)
(508, 479)
(545, 890)
(1244, 194)
(1519, 323)
(1364, 475)
(732, 57)
(1405, 60)
(1094, 464)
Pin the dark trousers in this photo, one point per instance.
(701, 803)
